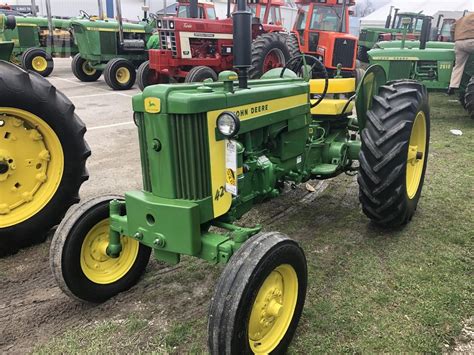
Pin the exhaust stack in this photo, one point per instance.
(242, 23)
(425, 32)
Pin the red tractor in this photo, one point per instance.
(321, 29)
(194, 49)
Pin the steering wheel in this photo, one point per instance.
(295, 64)
(153, 16)
(84, 14)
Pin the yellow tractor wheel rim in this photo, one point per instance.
(273, 309)
(416, 155)
(31, 165)
(97, 265)
(39, 64)
(123, 75)
(87, 69)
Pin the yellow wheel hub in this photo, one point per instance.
(31, 165)
(97, 265)
(39, 63)
(273, 309)
(87, 69)
(416, 154)
(123, 75)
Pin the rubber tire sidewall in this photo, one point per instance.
(110, 74)
(269, 41)
(286, 252)
(77, 70)
(199, 74)
(32, 93)
(27, 58)
(79, 285)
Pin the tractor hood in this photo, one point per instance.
(107, 26)
(413, 45)
(415, 54)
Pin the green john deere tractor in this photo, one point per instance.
(112, 47)
(39, 39)
(393, 30)
(430, 62)
(211, 151)
(42, 155)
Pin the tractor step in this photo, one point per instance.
(325, 169)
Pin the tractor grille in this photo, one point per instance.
(344, 51)
(26, 37)
(168, 41)
(191, 153)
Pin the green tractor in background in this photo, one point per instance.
(39, 39)
(42, 155)
(211, 151)
(430, 62)
(393, 30)
(113, 48)
(7, 23)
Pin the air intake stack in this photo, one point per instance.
(242, 20)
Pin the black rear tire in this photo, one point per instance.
(83, 71)
(386, 196)
(293, 45)
(199, 74)
(31, 93)
(267, 46)
(67, 248)
(38, 60)
(237, 295)
(120, 74)
(362, 54)
(469, 98)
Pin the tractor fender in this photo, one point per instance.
(368, 87)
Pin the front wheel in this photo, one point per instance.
(259, 297)
(82, 69)
(199, 74)
(38, 60)
(362, 54)
(79, 261)
(120, 74)
(394, 153)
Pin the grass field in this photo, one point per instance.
(370, 290)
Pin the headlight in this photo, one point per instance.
(159, 24)
(171, 24)
(228, 124)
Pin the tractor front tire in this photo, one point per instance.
(394, 153)
(199, 74)
(83, 70)
(469, 98)
(120, 74)
(37, 60)
(42, 157)
(269, 51)
(79, 260)
(259, 297)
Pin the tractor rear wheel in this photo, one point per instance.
(362, 54)
(394, 153)
(82, 69)
(269, 51)
(120, 74)
(147, 77)
(38, 60)
(469, 98)
(259, 297)
(42, 157)
(199, 74)
(293, 45)
(79, 261)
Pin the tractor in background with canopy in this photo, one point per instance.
(195, 49)
(212, 151)
(321, 30)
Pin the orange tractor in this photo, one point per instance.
(195, 49)
(321, 29)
